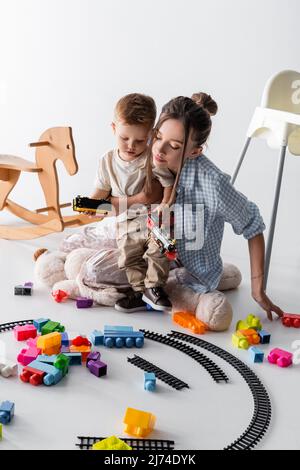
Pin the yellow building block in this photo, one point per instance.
(251, 322)
(111, 443)
(250, 334)
(239, 341)
(138, 423)
(49, 343)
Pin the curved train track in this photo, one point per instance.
(9, 326)
(262, 406)
(212, 368)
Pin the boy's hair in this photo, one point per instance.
(135, 109)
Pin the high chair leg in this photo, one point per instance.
(246, 146)
(274, 212)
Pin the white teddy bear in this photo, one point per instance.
(71, 272)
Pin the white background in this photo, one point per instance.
(66, 62)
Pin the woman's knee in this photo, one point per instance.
(214, 310)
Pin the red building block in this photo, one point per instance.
(25, 332)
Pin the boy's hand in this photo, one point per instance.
(265, 303)
(93, 215)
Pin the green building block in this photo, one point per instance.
(62, 363)
(52, 326)
(111, 443)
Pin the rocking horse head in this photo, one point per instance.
(56, 144)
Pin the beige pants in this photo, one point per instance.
(139, 255)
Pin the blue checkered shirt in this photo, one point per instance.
(212, 200)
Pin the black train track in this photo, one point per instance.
(212, 368)
(86, 443)
(262, 406)
(164, 376)
(9, 326)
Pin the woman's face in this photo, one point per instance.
(168, 143)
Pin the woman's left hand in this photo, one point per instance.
(265, 303)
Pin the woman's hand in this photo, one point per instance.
(155, 196)
(265, 303)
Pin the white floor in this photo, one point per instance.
(207, 416)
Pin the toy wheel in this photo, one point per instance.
(286, 322)
(296, 323)
(25, 376)
(48, 379)
(35, 380)
(119, 343)
(109, 342)
(139, 342)
(129, 342)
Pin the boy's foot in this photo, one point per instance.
(132, 303)
(157, 298)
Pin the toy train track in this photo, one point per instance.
(212, 368)
(262, 406)
(10, 326)
(159, 373)
(86, 443)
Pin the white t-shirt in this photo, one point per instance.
(123, 178)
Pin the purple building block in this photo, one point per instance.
(65, 349)
(93, 356)
(83, 302)
(64, 339)
(97, 368)
(28, 284)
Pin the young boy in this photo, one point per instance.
(122, 172)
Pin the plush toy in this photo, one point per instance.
(94, 273)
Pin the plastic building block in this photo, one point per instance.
(111, 443)
(138, 423)
(93, 356)
(64, 349)
(118, 336)
(251, 335)
(149, 381)
(64, 339)
(257, 354)
(80, 341)
(251, 321)
(50, 344)
(59, 295)
(84, 350)
(7, 411)
(96, 337)
(33, 376)
(47, 359)
(31, 342)
(97, 368)
(8, 368)
(28, 284)
(28, 355)
(264, 337)
(84, 302)
(25, 332)
(280, 357)
(239, 341)
(52, 374)
(0, 431)
(291, 320)
(188, 320)
(62, 363)
(75, 358)
(39, 323)
(51, 327)
(23, 290)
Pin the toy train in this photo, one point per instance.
(86, 204)
(166, 244)
(120, 336)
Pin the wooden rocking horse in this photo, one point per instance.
(54, 144)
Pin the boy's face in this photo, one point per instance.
(132, 139)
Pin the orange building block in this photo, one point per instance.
(50, 344)
(188, 320)
(84, 350)
(138, 423)
(251, 335)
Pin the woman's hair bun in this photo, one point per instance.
(206, 102)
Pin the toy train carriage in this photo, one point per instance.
(99, 206)
(291, 320)
(120, 336)
(166, 244)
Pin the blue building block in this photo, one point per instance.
(64, 339)
(257, 354)
(75, 358)
(127, 338)
(115, 328)
(53, 375)
(7, 411)
(39, 323)
(96, 337)
(264, 337)
(149, 381)
(46, 359)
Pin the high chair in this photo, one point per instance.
(277, 121)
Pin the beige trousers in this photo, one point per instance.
(140, 256)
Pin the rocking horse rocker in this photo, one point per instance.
(54, 144)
